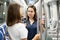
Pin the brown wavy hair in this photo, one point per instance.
(13, 14)
(34, 8)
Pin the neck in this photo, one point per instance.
(31, 19)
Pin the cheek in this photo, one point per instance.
(33, 14)
(21, 13)
(28, 13)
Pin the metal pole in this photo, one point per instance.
(39, 27)
(58, 20)
(39, 16)
(46, 13)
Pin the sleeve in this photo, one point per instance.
(23, 32)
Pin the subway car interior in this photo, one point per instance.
(47, 10)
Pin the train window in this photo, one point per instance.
(51, 10)
(3, 11)
(58, 29)
(53, 14)
(58, 4)
(31, 2)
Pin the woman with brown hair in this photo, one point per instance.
(31, 22)
(16, 29)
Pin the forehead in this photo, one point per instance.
(30, 9)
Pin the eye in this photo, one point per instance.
(31, 11)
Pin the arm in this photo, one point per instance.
(24, 39)
(37, 37)
(23, 32)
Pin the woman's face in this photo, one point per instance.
(30, 12)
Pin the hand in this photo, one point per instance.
(41, 21)
(36, 37)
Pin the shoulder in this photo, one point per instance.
(20, 26)
(17, 26)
